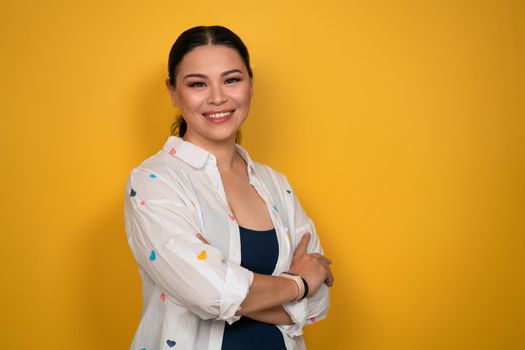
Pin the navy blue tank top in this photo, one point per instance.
(259, 252)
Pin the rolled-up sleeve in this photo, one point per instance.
(161, 225)
(313, 308)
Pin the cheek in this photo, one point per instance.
(244, 95)
(189, 100)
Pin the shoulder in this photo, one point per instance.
(157, 164)
(159, 175)
(176, 159)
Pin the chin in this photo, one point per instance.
(214, 134)
(224, 138)
(223, 135)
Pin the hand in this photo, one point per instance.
(314, 268)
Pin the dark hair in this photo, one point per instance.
(193, 38)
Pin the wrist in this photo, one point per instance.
(300, 283)
(306, 288)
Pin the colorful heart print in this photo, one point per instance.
(202, 255)
(132, 193)
(152, 256)
(173, 151)
(171, 343)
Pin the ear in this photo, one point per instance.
(251, 87)
(172, 93)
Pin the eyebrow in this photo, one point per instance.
(198, 75)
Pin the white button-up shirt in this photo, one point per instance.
(190, 289)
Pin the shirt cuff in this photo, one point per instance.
(297, 312)
(238, 281)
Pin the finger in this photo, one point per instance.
(301, 247)
(330, 279)
(201, 237)
(321, 257)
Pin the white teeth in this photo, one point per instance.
(218, 115)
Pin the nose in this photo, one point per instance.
(217, 95)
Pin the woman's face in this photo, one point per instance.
(213, 92)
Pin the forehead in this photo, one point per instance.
(211, 59)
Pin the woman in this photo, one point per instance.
(227, 256)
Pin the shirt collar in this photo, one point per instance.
(186, 151)
(244, 154)
(198, 157)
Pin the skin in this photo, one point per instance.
(213, 79)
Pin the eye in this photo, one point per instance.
(197, 84)
(232, 80)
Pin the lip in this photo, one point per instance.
(219, 119)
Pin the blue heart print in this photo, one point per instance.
(152, 256)
(153, 176)
(171, 343)
(288, 191)
(132, 193)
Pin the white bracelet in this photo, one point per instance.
(298, 281)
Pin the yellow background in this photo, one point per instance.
(400, 124)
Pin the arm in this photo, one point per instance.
(262, 288)
(274, 315)
(312, 267)
(315, 307)
(161, 228)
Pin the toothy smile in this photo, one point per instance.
(218, 115)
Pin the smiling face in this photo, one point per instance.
(213, 92)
